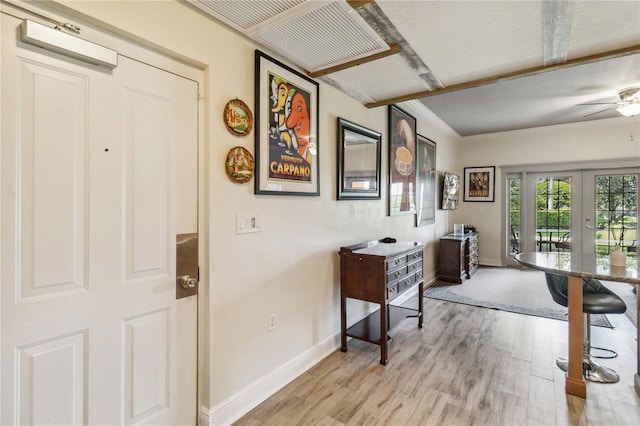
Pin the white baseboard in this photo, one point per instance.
(244, 401)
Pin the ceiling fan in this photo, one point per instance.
(629, 104)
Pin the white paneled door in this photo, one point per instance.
(98, 176)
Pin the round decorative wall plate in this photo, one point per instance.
(239, 165)
(238, 118)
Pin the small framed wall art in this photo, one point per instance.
(479, 183)
(450, 190)
(238, 117)
(425, 181)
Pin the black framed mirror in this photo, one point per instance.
(359, 151)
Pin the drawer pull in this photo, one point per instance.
(398, 261)
(398, 273)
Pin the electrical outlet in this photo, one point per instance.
(272, 322)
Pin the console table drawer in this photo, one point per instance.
(415, 255)
(392, 291)
(415, 266)
(396, 274)
(398, 287)
(399, 261)
(406, 282)
(396, 262)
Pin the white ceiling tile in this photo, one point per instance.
(600, 26)
(467, 40)
(382, 79)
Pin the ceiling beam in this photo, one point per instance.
(557, 18)
(358, 3)
(384, 27)
(393, 49)
(509, 76)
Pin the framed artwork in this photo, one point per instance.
(479, 183)
(425, 181)
(450, 190)
(359, 153)
(237, 117)
(286, 136)
(402, 162)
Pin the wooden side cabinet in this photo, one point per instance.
(378, 272)
(458, 259)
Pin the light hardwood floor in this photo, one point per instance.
(467, 366)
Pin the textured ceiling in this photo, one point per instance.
(539, 100)
(444, 45)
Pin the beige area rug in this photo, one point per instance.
(521, 291)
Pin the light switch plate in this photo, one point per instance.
(250, 223)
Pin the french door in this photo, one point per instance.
(542, 213)
(610, 204)
(588, 211)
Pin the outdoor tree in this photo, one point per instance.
(553, 203)
(616, 204)
(514, 202)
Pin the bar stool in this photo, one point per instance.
(597, 299)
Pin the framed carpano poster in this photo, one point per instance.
(479, 183)
(425, 181)
(402, 162)
(286, 130)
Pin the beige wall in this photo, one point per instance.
(292, 268)
(617, 138)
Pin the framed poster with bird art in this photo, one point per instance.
(286, 130)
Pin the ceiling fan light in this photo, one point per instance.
(629, 110)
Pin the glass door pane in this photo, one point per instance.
(514, 215)
(616, 213)
(553, 213)
(551, 219)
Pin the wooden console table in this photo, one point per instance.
(378, 272)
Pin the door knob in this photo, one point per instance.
(187, 281)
